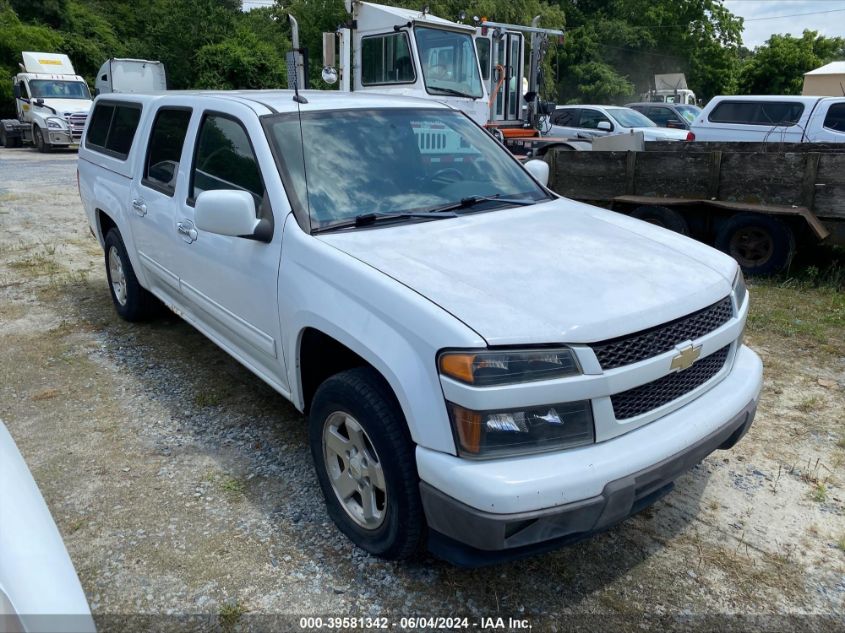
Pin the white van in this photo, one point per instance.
(778, 119)
(130, 75)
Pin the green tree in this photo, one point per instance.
(242, 61)
(778, 66)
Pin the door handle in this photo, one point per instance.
(139, 207)
(187, 231)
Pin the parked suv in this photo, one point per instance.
(589, 121)
(677, 116)
(487, 368)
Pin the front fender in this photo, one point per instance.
(388, 324)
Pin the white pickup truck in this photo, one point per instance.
(487, 369)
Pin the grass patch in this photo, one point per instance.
(233, 485)
(37, 265)
(210, 398)
(229, 615)
(819, 493)
(841, 543)
(807, 405)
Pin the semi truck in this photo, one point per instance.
(51, 103)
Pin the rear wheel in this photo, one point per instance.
(761, 244)
(38, 138)
(364, 458)
(662, 216)
(131, 300)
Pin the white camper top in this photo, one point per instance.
(47, 63)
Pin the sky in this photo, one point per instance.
(762, 18)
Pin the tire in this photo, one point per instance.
(761, 244)
(662, 216)
(4, 140)
(361, 399)
(38, 139)
(132, 301)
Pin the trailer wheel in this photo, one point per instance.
(38, 138)
(662, 216)
(761, 244)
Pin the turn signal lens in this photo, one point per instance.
(486, 368)
(530, 430)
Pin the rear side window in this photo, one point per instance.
(757, 112)
(224, 158)
(565, 117)
(165, 149)
(590, 119)
(386, 59)
(112, 128)
(835, 119)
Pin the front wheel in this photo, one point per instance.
(38, 138)
(761, 244)
(364, 458)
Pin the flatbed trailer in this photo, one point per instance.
(758, 202)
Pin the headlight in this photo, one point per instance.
(528, 430)
(487, 368)
(55, 124)
(740, 291)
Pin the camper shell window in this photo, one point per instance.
(112, 128)
(757, 112)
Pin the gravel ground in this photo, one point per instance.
(183, 485)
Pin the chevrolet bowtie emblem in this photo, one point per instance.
(686, 357)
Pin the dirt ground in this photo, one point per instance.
(183, 485)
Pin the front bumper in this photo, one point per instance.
(505, 518)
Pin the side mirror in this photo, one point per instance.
(39, 101)
(604, 126)
(230, 212)
(539, 169)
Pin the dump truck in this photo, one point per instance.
(758, 202)
(51, 103)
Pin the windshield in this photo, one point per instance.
(689, 112)
(449, 62)
(626, 117)
(55, 89)
(391, 161)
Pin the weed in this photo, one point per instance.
(208, 398)
(809, 404)
(233, 485)
(229, 615)
(819, 493)
(841, 543)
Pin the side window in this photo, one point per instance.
(734, 112)
(778, 113)
(835, 119)
(98, 127)
(482, 45)
(386, 59)
(590, 119)
(122, 132)
(565, 117)
(757, 112)
(112, 129)
(165, 149)
(659, 115)
(224, 159)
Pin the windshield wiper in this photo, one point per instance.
(471, 201)
(368, 219)
(452, 91)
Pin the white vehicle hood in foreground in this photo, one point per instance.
(557, 272)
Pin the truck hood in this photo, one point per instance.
(662, 134)
(554, 272)
(65, 106)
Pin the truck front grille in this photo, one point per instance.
(77, 124)
(642, 399)
(633, 348)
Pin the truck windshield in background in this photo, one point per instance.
(449, 62)
(425, 159)
(57, 89)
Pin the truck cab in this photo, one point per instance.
(51, 101)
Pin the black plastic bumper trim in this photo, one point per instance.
(470, 537)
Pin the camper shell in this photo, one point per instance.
(130, 75)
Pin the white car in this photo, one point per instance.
(591, 121)
(487, 369)
(39, 588)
